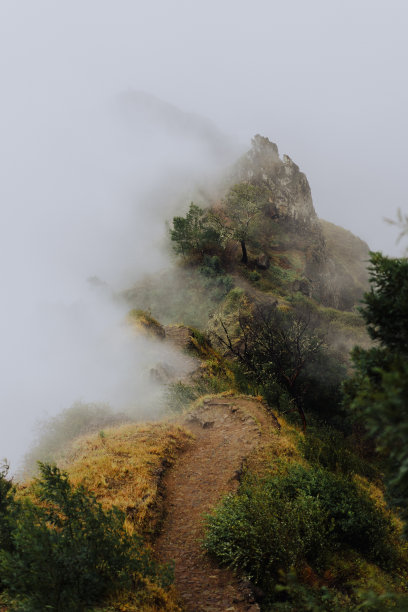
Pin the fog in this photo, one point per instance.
(92, 165)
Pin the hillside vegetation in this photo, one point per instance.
(277, 476)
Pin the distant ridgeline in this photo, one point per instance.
(331, 260)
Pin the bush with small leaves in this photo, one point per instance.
(281, 522)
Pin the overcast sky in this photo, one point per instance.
(325, 80)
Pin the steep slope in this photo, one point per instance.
(345, 277)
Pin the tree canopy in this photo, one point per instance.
(202, 231)
(237, 216)
(377, 394)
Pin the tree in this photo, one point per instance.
(377, 394)
(274, 346)
(7, 513)
(193, 234)
(386, 305)
(236, 218)
(68, 552)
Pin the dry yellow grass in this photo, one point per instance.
(150, 598)
(142, 321)
(123, 466)
(278, 450)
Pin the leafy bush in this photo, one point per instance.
(283, 521)
(67, 552)
(377, 394)
(355, 520)
(263, 530)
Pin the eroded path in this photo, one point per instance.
(226, 430)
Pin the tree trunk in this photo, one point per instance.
(244, 252)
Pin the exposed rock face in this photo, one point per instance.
(335, 260)
(287, 188)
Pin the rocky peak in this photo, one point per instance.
(287, 188)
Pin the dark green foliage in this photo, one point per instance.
(377, 395)
(321, 381)
(385, 308)
(67, 552)
(214, 277)
(302, 516)
(7, 513)
(262, 530)
(254, 276)
(292, 595)
(194, 234)
(381, 403)
(354, 519)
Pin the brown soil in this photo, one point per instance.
(226, 431)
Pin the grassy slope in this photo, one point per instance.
(124, 466)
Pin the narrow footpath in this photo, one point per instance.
(225, 434)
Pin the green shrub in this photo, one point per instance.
(284, 521)
(263, 531)
(355, 520)
(67, 552)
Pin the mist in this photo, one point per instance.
(85, 198)
(111, 114)
(86, 210)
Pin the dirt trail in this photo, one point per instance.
(225, 434)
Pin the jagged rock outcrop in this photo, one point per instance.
(287, 188)
(335, 260)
